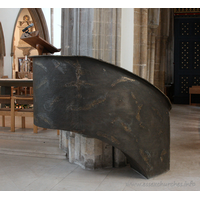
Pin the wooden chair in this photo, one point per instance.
(5, 99)
(16, 89)
(5, 111)
(21, 99)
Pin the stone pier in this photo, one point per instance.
(95, 33)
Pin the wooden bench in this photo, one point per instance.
(194, 90)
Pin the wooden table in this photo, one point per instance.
(7, 83)
(16, 82)
(194, 90)
(19, 83)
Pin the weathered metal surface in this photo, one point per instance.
(101, 100)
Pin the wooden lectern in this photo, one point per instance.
(39, 43)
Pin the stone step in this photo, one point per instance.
(30, 137)
(24, 142)
(31, 148)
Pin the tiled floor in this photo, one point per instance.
(29, 173)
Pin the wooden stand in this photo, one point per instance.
(39, 43)
(194, 90)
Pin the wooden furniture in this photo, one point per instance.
(21, 99)
(11, 99)
(12, 111)
(193, 90)
(39, 43)
(18, 98)
(22, 75)
(16, 82)
(5, 99)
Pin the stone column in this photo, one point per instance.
(164, 49)
(169, 70)
(95, 33)
(164, 34)
(136, 51)
(140, 42)
(144, 36)
(152, 57)
(153, 23)
(157, 59)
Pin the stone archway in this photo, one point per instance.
(39, 23)
(37, 17)
(2, 50)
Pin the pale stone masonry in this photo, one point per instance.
(95, 33)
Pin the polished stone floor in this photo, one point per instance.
(32, 173)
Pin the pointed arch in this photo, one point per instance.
(2, 42)
(39, 23)
(2, 50)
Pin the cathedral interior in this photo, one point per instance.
(115, 108)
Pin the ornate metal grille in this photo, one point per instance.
(184, 84)
(187, 56)
(184, 55)
(197, 28)
(185, 27)
(196, 63)
(196, 80)
(186, 10)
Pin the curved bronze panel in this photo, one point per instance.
(101, 100)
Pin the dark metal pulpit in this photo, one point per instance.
(98, 99)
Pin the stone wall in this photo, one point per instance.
(95, 33)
